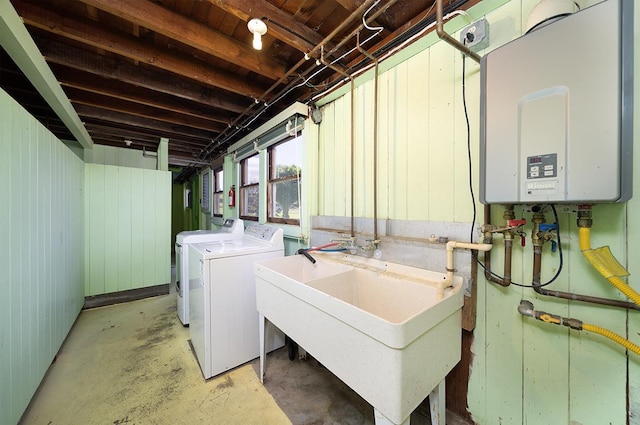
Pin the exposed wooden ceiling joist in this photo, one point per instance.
(135, 49)
(112, 69)
(184, 70)
(154, 17)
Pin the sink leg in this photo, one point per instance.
(383, 420)
(437, 405)
(262, 321)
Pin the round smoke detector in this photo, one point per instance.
(548, 11)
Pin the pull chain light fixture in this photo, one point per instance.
(258, 28)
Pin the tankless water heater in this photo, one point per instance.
(556, 111)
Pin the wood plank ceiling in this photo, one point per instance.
(138, 70)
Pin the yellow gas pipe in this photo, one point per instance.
(526, 309)
(605, 263)
(612, 336)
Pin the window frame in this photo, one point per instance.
(245, 186)
(217, 174)
(272, 181)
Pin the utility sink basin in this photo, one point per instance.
(378, 326)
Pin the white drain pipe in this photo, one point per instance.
(451, 245)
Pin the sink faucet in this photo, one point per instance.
(306, 254)
(348, 243)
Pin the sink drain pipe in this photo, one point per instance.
(526, 309)
(451, 245)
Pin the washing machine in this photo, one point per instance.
(222, 299)
(231, 229)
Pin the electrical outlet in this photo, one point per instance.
(476, 35)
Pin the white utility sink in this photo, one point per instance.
(376, 325)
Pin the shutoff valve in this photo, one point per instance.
(517, 226)
(545, 233)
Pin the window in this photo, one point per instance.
(249, 185)
(218, 193)
(204, 194)
(285, 168)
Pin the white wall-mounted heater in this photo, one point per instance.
(556, 111)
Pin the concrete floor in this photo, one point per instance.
(131, 364)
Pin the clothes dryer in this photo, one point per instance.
(222, 300)
(231, 229)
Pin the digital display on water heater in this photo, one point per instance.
(541, 166)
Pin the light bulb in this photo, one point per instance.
(258, 28)
(257, 41)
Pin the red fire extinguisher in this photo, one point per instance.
(232, 196)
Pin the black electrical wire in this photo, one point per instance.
(466, 117)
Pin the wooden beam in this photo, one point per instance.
(84, 60)
(114, 104)
(150, 15)
(78, 80)
(135, 49)
(127, 119)
(129, 132)
(280, 24)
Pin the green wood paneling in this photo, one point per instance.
(95, 231)
(418, 176)
(42, 291)
(128, 228)
(137, 222)
(111, 209)
(6, 213)
(149, 209)
(441, 161)
(393, 119)
(124, 229)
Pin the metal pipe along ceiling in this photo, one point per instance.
(446, 37)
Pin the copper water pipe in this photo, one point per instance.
(537, 266)
(375, 138)
(353, 132)
(446, 37)
(487, 255)
(537, 286)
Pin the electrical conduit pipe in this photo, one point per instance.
(451, 245)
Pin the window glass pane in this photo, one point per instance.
(251, 170)
(286, 159)
(249, 201)
(284, 200)
(204, 195)
(218, 203)
(219, 183)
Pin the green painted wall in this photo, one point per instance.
(121, 156)
(522, 371)
(41, 227)
(127, 228)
